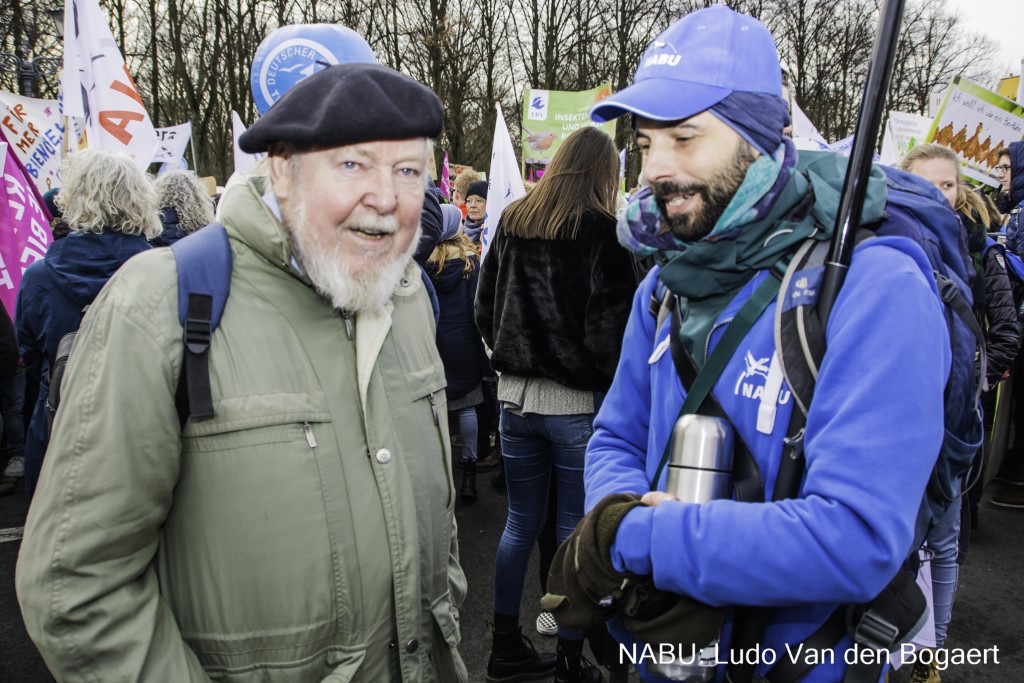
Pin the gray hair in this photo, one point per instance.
(183, 192)
(107, 190)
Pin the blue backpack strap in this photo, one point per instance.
(203, 260)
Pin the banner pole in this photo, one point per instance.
(192, 144)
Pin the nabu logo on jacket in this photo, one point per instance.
(752, 380)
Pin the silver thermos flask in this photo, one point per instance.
(699, 471)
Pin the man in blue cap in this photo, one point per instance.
(727, 200)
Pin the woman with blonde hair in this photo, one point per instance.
(110, 208)
(453, 268)
(555, 292)
(993, 302)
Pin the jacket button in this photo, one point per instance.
(383, 456)
(412, 646)
(405, 282)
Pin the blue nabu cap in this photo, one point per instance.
(696, 63)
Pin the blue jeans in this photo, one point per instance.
(943, 541)
(467, 432)
(533, 448)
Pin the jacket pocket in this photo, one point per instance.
(248, 564)
(445, 659)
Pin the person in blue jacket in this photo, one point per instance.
(454, 270)
(111, 209)
(727, 199)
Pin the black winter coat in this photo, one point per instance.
(557, 309)
(458, 342)
(1002, 338)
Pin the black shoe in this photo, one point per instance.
(498, 482)
(513, 658)
(490, 462)
(571, 666)
(468, 490)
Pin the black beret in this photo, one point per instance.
(479, 188)
(347, 104)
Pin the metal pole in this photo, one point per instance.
(855, 186)
(192, 144)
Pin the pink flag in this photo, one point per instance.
(446, 187)
(24, 227)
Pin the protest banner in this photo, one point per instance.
(96, 85)
(976, 123)
(903, 131)
(24, 226)
(34, 129)
(504, 184)
(172, 143)
(550, 116)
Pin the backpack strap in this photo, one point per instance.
(746, 477)
(734, 333)
(204, 262)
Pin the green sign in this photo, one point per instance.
(976, 123)
(550, 116)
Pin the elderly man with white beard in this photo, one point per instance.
(305, 532)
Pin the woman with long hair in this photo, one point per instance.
(993, 302)
(453, 268)
(554, 295)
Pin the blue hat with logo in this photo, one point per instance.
(696, 63)
(290, 54)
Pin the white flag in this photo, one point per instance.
(504, 183)
(98, 87)
(172, 142)
(805, 135)
(243, 161)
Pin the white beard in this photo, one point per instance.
(368, 289)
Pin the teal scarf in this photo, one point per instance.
(707, 274)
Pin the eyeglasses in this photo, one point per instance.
(1001, 168)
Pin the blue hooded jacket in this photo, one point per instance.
(1014, 232)
(52, 295)
(458, 341)
(872, 438)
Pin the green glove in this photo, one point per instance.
(583, 585)
(585, 589)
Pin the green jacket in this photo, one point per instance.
(305, 533)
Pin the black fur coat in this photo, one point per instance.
(557, 309)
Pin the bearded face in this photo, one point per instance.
(353, 217)
(694, 168)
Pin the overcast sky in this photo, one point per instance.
(1002, 21)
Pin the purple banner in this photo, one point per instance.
(24, 227)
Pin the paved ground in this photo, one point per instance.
(988, 611)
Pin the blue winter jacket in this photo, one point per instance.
(1014, 231)
(872, 438)
(52, 295)
(458, 341)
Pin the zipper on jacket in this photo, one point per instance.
(308, 430)
(349, 324)
(433, 409)
(707, 344)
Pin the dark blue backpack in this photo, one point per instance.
(915, 210)
(204, 262)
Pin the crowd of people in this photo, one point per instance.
(371, 359)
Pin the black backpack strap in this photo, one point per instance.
(894, 617)
(203, 260)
